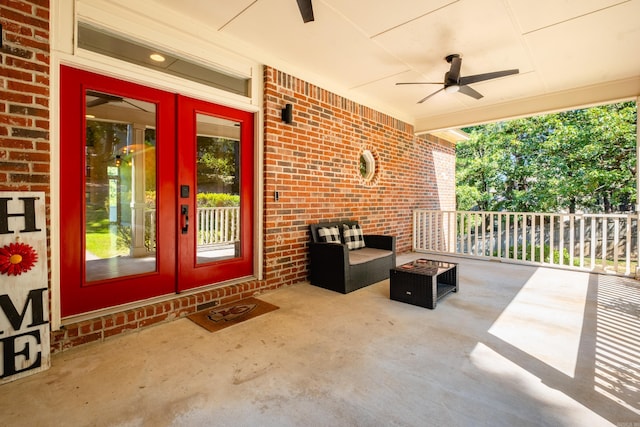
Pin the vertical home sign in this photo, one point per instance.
(24, 296)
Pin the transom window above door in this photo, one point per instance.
(115, 46)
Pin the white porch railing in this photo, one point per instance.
(214, 226)
(150, 229)
(217, 226)
(594, 242)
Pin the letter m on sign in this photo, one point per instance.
(34, 299)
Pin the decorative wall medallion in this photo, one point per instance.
(369, 167)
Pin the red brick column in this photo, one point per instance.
(24, 96)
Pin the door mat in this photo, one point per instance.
(227, 315)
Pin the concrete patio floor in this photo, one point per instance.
(517, 346)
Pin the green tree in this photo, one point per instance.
(217, 162)
(102, 142)
(581, 159)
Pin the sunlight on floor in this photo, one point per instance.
(548, 399)
(586, 328)
(617, 360)
(553, 332)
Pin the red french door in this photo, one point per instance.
(215, 204)
(156, 192)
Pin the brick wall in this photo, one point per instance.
(24, 96)
(313, 163)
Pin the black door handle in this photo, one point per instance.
(184, 211)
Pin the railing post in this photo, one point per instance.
(425, 241)
(637, 272)
(627, 245)
(415, 232)
(475, 243)
(483, 221)
(532, 237)
(605, 225)
(460, 232)
(581, 240)
(594, 242)
(523, 237)
(637, 246)
(542, 238)
(561, 243)
(552, 236)
(507, 231)
(468, 227)
(616, 241)
(453, 231)
(572, 237)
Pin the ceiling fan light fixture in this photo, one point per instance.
(452, 89)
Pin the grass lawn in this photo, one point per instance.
(102, 237)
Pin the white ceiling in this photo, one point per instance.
(570, 52)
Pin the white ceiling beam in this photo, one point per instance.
(559, 101)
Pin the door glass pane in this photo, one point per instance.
(218, 189)
(120, 187)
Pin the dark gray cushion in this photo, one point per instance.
(366, 255)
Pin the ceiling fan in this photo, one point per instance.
(454, 83)
(306, 10)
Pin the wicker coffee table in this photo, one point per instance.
(423, 282)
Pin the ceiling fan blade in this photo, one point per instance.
(454, 72)
(468, 90)
(101, 98)
(103, 95)
(135, 106)
(96, 102)
(419, 83)
(429, 96)
(306, 10)
(467, 80)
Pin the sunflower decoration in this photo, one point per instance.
(17, 258)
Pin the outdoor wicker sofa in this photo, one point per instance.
(336, 267)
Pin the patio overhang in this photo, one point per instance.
(569, 55)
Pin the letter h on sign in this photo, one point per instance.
(29, 215)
